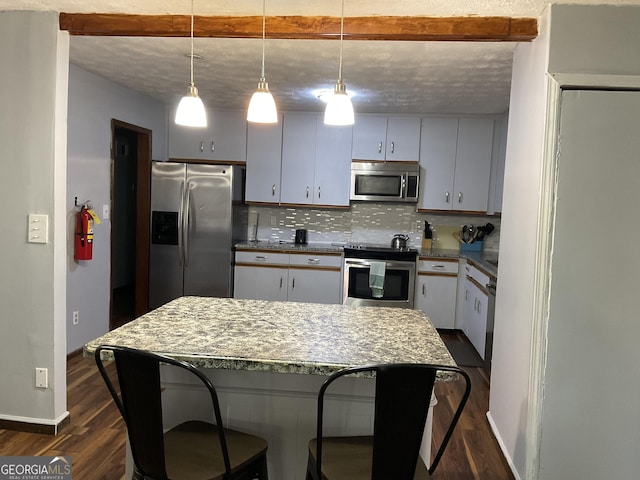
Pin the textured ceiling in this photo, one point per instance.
(394, 77)
(406, 77)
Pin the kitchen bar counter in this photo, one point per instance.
(269, 359)
(281, 337)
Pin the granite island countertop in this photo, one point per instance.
(283, 337)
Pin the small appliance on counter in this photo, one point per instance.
(471, 237)
(301, 236)
(399, 241)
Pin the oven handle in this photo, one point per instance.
(358, 263)
(390, 264)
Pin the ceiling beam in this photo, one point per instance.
(488, 29)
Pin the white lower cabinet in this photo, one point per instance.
(296, 277)
(476, 299)
(314, 285)
(436, 290)
(261, 275)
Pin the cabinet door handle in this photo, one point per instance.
(213, 145)
(393, 147)
(313, 261)
(280, 282)
(437, 266)
(380, 147)
(201, 147)
(307, 192)
(446, 197)
(273, 190)
(459, 197)
(261, 258)
(424, 290)
(466, 295)
(293, 283)
(318, 192)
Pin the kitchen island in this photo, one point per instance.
(268, 360)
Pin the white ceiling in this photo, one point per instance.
(393, 77)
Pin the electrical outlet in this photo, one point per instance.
(41, 378)
(76, 317)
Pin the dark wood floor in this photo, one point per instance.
(95, 436)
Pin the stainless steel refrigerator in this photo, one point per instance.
(197, 214)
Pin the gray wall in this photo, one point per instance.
(33, 88)
(93, 103)
(552, 415)
(509, 402)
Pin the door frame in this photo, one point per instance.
(556, 84)
(143, 211)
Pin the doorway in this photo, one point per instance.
(130, 203)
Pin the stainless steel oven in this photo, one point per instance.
(399, 276)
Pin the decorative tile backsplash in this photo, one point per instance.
(361, 223)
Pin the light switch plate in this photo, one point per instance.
(38, 228)
(42, 380)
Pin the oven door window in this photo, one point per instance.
(379, 185)
(396, 284)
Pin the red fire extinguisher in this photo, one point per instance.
(83, 244)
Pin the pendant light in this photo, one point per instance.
(191, 112)
(339, 110)
(262, 106)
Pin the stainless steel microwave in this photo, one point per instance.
(385, 182)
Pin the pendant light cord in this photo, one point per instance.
(191, 56)
(264, 13)
(341, 42)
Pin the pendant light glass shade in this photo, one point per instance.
(339, 109)
(262, 106)
(191, 112)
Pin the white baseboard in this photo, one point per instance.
(502, 446)
(52, 423)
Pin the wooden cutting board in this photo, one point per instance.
(443, 237)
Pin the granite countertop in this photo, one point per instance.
(283, 337)
(484, 260)
(487, 261)
(290, 247)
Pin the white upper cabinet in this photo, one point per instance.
(316, 161)
(456, 156)
(264, 154)
(332, 173)
(298, 158)
(224, 139)
(377, 137)
(438, 143)
(300, 161)
(497, 170)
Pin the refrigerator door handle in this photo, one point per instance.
(186, 223)
(181, 226)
